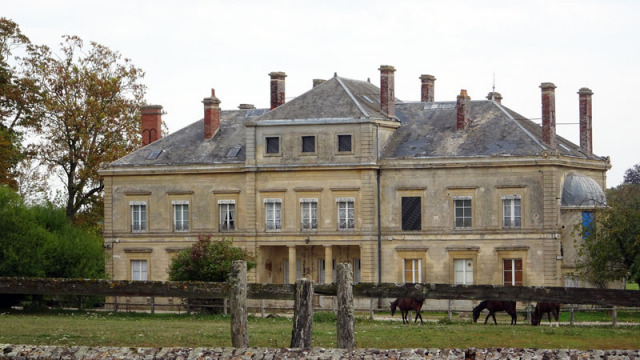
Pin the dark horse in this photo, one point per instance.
(549, 308)
(405, 305)
(493, 306)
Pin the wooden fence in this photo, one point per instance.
(237, 290)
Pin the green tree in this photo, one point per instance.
(18, 94)
(208, 260)
(632, 175)
(611, 247)
(87, 113)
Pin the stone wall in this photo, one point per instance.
(83, 352)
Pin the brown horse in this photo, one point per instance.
(493, 306)
(405, 305)
(550, 309)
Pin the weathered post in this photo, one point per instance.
(614, 316)
(238, 282)
(371, 308)
(225, 306)
(449, 311)
(346, 315)
(302, 314)
(115, 303)
(529, 312)
(153, 305)
(262, 307)
(573, 307)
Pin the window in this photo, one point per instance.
(308, 144)
(346, 219)
(227, 214)
(462, 215)
(273, 145)
(181, 215)
(138, 216)
(411, 213)
(273, 212)
(463, 271)
(356, 271)
(309, 214)
(139, 270)
(587, 223)
(321, 271)
(411, 271)
(344, 143)
(512, 272)
(511, 212)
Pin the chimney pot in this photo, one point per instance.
(151, 123)
(463, 110)
(495, 96)
(211, 115)
(427, 88)
(277, 88)
(387, 90)
(586, 129)
(549, 114)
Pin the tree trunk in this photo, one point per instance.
(238, 282)
(346, 315)
(302, 315)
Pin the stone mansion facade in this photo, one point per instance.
(464, 192)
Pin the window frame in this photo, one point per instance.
(351, 144)
(133, 269)
(414, 269)
(457, 199)
(185, 225)
(267, 139)
(223, 224)
(277, 209)
(312, 203)
(516, 221)
(142, 221)
(513, 271)
(465, 272)
(302, 145)
(349, 226)
(402, 213)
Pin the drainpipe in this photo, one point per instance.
(379, 231)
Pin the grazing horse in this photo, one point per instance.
(406, 304)
(493, 306)
(550, 309)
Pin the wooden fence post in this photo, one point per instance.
(302, 314)
(225, 306)
(573, 307)
(115, 303)
(238, 282)
(346, 315)
(153, 305)
(262, 307)
(529, 312)
(614, 316)
(449, 311)
(371, 308)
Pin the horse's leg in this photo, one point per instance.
(549, 318)
(487, 318)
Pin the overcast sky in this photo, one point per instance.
(188, 47)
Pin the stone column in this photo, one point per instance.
(328, 264)
(292, 265)
(238, 281)
(302, 315)
(346, 315)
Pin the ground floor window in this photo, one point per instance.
(411, 271)
(139, 270)
(463, 271)
(512, 272)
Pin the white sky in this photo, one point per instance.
(188, 47)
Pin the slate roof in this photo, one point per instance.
(428, 130)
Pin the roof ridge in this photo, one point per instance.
(353, 98)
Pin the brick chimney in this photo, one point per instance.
(426, 89)
(463, 110)
(549, 114)
(277, 88)
(151, 123)
(387, 90)
(585, 120)
(211, 115)
(495, 96)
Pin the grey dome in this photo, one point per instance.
(580, 190)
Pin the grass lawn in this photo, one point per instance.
(180, 330)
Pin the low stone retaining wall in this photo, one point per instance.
(83, 352)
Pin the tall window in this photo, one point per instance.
(346, 213)
(309, 214)
(462, 215)
(139, 270)
(344, 143)
(273, 145)
(411, 213)
(308, 144)
(181, 215)
(272, 213)
(463, 271)
(138, 216)
(587, 223)
(511, 212)
(411, 271)
(227, 214)
(512, 272)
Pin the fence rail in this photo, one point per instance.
(194, 289)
